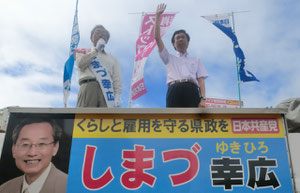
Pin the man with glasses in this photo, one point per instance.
(35, 142)
(99, 73)
(185, 74)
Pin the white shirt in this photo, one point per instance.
(182, 66)
(37, 185)
(108, 61)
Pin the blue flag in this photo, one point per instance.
(223, 22)
(68, 70)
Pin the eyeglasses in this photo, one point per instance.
(28, 146)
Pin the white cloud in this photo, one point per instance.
(35, 38)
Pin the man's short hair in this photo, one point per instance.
(56, 129)
(100, 26)
(178, 32)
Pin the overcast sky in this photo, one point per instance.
(35, 38)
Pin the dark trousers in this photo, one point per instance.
(184, 94)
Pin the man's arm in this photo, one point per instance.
(159, 11)
(84, 60)
(201, 82)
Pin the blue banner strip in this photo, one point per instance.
(70, 62)
(245, 75)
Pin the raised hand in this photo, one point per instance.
(160, 9)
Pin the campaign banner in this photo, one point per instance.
(179, 153)
(144, 46)
(222, 103)
(145, 152)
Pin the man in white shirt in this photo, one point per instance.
(35, 142)
(185, 75)
(99, 73)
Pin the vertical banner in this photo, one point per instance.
(68, 70)
(223, 22)
(144, 46)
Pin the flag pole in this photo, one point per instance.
(237, 65)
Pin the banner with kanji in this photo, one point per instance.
(68, 69)
(144, 46)
(191, 153)
(223, 22)
(222, 103)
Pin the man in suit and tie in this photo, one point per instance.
(35, 142)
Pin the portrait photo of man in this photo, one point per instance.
(35, 142)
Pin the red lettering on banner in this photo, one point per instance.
(191, 156)
(255, 125)
(222, 103)
(87, 178)
(135, 177)
(138, 89)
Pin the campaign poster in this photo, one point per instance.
(34, 141)
(179, 153)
